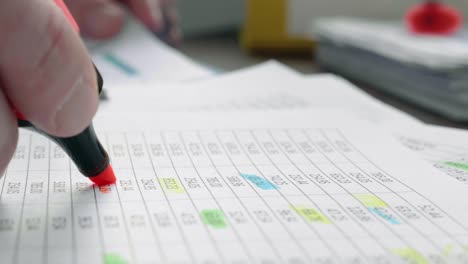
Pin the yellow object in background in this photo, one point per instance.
(266, 29)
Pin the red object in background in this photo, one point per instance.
(433, 17)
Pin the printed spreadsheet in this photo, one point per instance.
(451, 158)
(263, 195)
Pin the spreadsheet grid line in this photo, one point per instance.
(219, 196)
(329, 195)
(214, 198)
(248, 184)
(366, 188)
(18, 236)
(234, 193)
(421, 233)
(186, 244)
(134, 176)
(276, 166)
(164, 139)
(254, 165)
(351, 194)
(460, 224)
(46, 226)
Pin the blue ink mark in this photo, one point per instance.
(379, 212)
(261, 183)
(129, 70)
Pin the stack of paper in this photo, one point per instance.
(430, 71)
(262, 165)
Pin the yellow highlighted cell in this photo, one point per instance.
(370, 200)
(311, 215)
(410, 255)
(448, 250)
(171, 185)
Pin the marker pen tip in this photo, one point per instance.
(104, 178)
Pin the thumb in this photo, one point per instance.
(46, 71)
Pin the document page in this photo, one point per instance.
(444, 148)
(271, 187)
(136, 54)
(268, 86)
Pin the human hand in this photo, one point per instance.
(102, 19)
(45, 72)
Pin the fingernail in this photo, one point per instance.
(175, 36)
(75, 111)
(103, 20)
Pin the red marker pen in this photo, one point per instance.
(84, 149)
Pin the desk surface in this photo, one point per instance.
(223, 51)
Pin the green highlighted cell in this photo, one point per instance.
(214, 218)
(171, 185)
(410, 255)
(311, 215)
(370, 200)
(456, 165)
(114, 259)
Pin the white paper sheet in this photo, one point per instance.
(273, 86)
(136, 54)
(268, 86)
(446, 149)
(272, 187)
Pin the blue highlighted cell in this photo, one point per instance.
(260, 182)
(379, 212)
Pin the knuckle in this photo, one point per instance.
(42, 79)
(55, 31)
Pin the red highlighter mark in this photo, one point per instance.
(105, 189)
(434, 18)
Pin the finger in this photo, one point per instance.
(149, 12)
(8, 133)
(98, 19)
(170, 12)
(172, 22)
(172, 33)
(46, 71)
(175, 36)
